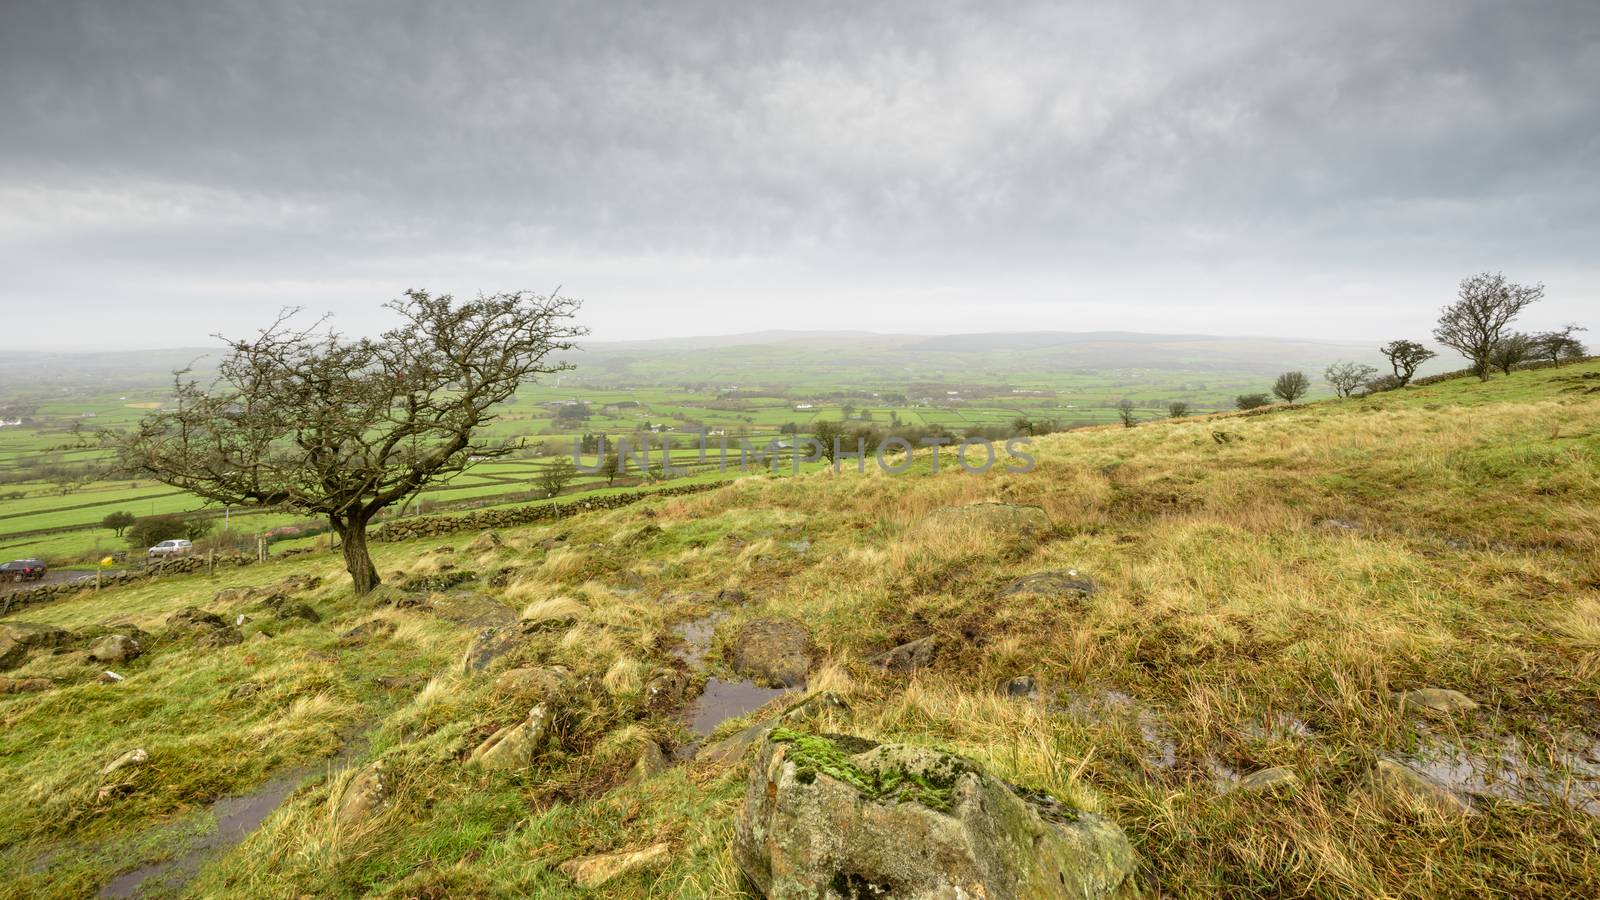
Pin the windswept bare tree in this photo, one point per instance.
(1556, 346)
(309, 420)
(1476, 323)
(1347, 377)
(1404, 358)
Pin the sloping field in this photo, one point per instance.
(1392, 604)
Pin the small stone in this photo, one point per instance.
(114, 648)
(1020, 686)
(364, 795)
(908, 657)
(652, 761)
(243, 690)
(1266, 780)
(191, 616)
(134, 757)
(109, 677)
(284, 608)
(515, 746)
(733, 596)
(593, 871)
(1398, 777)
(815, 705)
(665, 689)
(106, 792)
(1436, 701)
(366, 631)
(730, 749)
(532, 684)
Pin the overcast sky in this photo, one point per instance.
(170, 170)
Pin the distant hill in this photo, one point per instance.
(806, 355)
(802, 356)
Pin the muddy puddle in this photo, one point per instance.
(696, 636)
(236, 818)
(1517, 772)
(724, 700)
(721, 699)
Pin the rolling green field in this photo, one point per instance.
(47, 510)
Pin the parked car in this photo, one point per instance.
(169, 548)
(23, 570)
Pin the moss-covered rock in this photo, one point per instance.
(837, 816)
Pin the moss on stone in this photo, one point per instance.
(830, 755)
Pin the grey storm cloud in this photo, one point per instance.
(894, 155)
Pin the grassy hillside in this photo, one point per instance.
(1267, 588)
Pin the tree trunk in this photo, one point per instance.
(353, 537)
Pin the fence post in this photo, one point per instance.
(211, 561)
(261, 548)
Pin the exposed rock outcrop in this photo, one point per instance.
(593, 871)
(835, 816)
(514, 747)
(1057, 584)
(908, 657)
(114, 648)
(776, 652)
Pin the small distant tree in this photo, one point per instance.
(610, 462)
(152, 530)
(1382, 383)
(1291, 386)
(1404, 357)
(1555, 346)
(849, 410)
(307, 419)
(825, 430)
(118, 522)
(1476, 323)
(196, 527)
(556, 475)
(1251, 401)
(1125, 410)
(1177, 409)
(1346, 377)
(1511, 351)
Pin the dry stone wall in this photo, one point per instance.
(512, 516)
(182, 565)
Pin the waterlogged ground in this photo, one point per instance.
(1235, 683)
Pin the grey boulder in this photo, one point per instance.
(832, 816)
